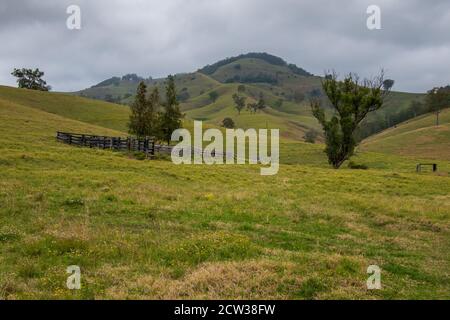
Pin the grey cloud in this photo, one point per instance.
(161, 37)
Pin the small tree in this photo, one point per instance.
(352, 101)
(311, 136)
(213, 95)
(241, 88)
(137, 124)
(143, 117)
(30, 79)
(261, 104)
(388, 84)
(228, 123)
(252, 107)
(170, 119)
(239, 102)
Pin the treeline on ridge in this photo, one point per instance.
(210, 69)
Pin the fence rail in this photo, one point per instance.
(146, 145)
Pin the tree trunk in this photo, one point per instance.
(338, 164)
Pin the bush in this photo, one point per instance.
(183, 96)
(139, 155)
(298, 96)
(353, 165)
(228, 123)
(213, 95)
(311, 136)
(279, 103)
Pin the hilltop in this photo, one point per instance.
(286, 88)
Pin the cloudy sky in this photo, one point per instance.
(159, 37)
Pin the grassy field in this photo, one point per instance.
(151, 229)
(419, 137)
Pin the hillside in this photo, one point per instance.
(86, 110)
(152, 229)
(419, 137)
(286, 89)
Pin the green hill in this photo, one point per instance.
(419, 137)
(95, 112)
(286, 89)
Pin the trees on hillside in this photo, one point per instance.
(416, 108)
(239, 102)
(146, 118)
(438, 99)
(258, 105)
(30, 79)
(352, 100)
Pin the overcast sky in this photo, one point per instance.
(159, 37)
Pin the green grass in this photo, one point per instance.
(87, 110)
(151, 229)
(419, 138)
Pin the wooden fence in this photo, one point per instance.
(432, 165)
(146, 145)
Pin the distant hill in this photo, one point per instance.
(419, 138)
(286, 88)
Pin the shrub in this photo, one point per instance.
(353, 165)
(139, 155)
(213, 95)
(310, 136)
(228, 123)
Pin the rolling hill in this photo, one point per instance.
(91, 111)
(152, 229)
(286, 89)
(419, 137)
